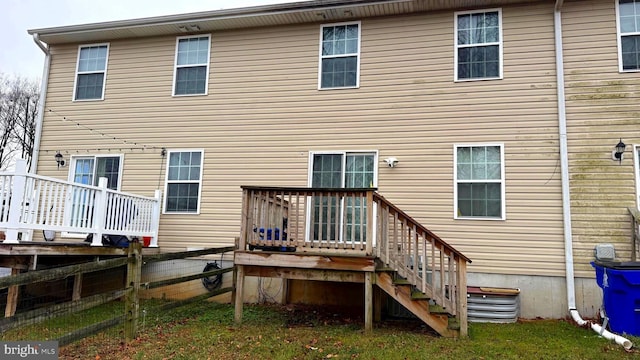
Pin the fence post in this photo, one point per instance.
(132, 303)
(155, 221)
(99, 213)
(15, 202)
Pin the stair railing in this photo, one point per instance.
(417, 254)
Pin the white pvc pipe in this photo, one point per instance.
(601, 331)
(566, 196)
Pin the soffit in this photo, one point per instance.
(257, 16)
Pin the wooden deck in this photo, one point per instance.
(355, 236)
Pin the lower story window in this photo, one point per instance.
(479, 181)
(184, 181)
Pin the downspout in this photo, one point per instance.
(566, 199)
(43, 97)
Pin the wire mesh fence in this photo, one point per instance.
(112, 298)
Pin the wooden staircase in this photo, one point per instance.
(418, 303)
(412, 264)
(420, 271)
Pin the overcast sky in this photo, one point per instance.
(19, 55)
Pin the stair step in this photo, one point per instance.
(437, 309)
(453, 324)
(401, 281)
(419, 295)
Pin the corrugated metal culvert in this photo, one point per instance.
(496, 305)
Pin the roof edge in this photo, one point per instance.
(208, 15)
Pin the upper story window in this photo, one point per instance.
(184, 181)
(629, 35)
(192, 65)
(91, 72)
(479, 181)
(478, 45)
(339, 56)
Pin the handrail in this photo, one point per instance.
(635, 233)
(417, 254)
(381, 198)
(34, 202)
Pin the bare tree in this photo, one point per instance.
(19, 99)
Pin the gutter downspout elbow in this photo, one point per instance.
(43, 97)
(566, 195)
(622, 341)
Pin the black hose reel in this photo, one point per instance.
(214, 282)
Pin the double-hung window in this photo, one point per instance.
(629, 35)
(184, 181)
(192, 65)
(479, 181)
(91, 72)
(478, 45)
(339, 56)
(330, 214)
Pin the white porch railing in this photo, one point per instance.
(32, 202)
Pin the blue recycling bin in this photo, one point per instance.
(620, 283)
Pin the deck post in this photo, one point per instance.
(99, 212)
(15, 202)
(239, 293)
(370, 223)
(155, 221)
(368, 301)
(462, 295)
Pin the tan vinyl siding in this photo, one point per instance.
(602, 107)
(263, 115)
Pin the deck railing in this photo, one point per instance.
(336, 221)
(33, 202)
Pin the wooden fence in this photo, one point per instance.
(130, 293)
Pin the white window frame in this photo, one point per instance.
(636, 163)
(342, 181)
(71, 175)
(502, 182)
(75, 158)
(104, 82)
(176, 66)
(166, 182)
(357, 55)
(619, 39)
(456, 46)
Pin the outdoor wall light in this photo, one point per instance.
(618, 153)
(60, 160)
(391, 161)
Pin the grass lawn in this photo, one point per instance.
(206, 331)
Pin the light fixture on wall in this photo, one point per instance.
(391, 161)
(49, 235)
(618, 153)
(60, 160)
